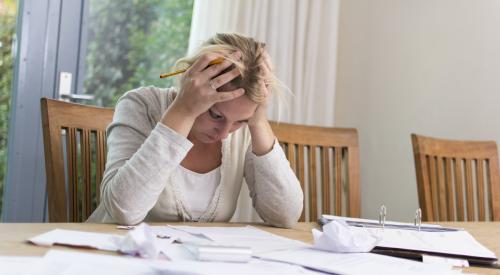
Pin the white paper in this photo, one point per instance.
(445, 261)
(217, 268)
(56, 262)
(99, 241)
(259, 240)
(338, 237)
(14, 265)
(332, 217)
(74, 263)
(448, 242)
(355, 263)
(176, 234)
(140, 241)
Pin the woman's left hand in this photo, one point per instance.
(262, 135)
(260, 114)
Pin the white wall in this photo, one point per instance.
(430, 67)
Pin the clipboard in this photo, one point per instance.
(411, 241)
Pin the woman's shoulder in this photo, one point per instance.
(150, 95)
(144, 103)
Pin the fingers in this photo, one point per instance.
(226, 96)
(224, 78)
(215, 70)
(267, 61)
(201, 63)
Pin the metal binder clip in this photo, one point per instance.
(418, 218)
(381, 216)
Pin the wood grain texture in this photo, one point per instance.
(78, 122)
(336, 140)
(465, 160)
(13, 236)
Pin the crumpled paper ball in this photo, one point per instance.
(338, 237)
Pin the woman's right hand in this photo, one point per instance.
(199, 85)
(199, 92)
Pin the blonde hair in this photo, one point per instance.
(249, 65)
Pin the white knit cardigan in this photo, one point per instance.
(141, 181)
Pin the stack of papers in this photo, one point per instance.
(271, 254)
(404, 239)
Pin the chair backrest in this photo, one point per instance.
(326, 162)
(451, 172)
(75, 155)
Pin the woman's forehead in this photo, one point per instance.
(241, 108)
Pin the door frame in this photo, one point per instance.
(49, 41)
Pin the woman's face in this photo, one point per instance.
(223, 118)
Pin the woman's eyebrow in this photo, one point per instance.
(224, 116)
(217, 111)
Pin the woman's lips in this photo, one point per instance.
(212, 137)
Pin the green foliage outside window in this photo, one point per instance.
(131, 43)
(8, 10)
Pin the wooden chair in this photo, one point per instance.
(324, 160)
(450, 173)
(75, 155)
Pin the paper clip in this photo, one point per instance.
(381, 216)
(418, 218)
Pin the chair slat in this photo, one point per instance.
(72, 173)
(493, 173)
(301, 174)
(441, 190)
(291, 155)
(354, 203)
(480, 189)
(338, 180)
(325, 169)
(434, 186)
(100, 162)
(86, 163)
(469, 194)
(313, 194)
(449, 189)
(459, 190)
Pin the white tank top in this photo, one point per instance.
(198, 189)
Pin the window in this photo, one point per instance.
(130, 43)
(8, 11)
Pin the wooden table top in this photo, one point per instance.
(13, 236)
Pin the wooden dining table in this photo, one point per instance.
(14, 236)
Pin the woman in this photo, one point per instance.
(182, 155)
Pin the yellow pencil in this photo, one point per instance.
(213, 62)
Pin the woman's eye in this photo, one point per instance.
(214, 115)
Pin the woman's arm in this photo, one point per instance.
(141, 156)
(274, 188)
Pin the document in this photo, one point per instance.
(354, 263)
(405, 240)
(248, 236)
(459, 243)
(99, 241)
(17, 265)
(58, 262)
(140, 241)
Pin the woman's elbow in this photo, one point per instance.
(290, 217)
(119, 213)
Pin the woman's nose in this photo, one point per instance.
(223, 130)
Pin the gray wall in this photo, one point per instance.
(428, 67)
